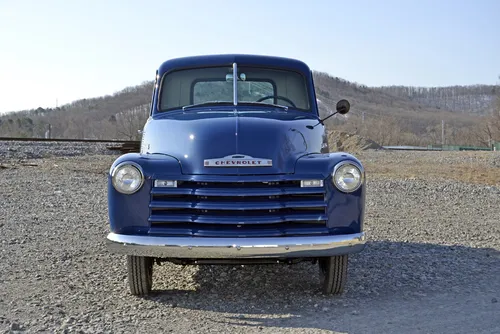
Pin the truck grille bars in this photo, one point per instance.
(275, 208)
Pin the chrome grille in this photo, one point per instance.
(238, 208)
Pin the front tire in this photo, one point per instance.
(333, 274)
(140, 274)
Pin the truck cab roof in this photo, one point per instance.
(229, 59)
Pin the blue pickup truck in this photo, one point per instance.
(235, 168)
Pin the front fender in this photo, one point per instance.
(151, 163)
(345, 210)
(323, 163)
(128, 214)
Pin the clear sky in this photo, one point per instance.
(72, 49)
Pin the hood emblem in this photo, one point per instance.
(238, 161)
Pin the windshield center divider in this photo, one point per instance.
(235, 84)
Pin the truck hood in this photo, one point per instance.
(229, 143)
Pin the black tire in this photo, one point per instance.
(333, 274)
(140, 274)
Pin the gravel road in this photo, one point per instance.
(432, 264)
(12, 150)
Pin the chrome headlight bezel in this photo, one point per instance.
(121, 166)
(348, 163)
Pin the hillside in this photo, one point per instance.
(463, 99)
(389, 115)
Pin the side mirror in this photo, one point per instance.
(343, 107)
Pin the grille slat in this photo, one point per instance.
(237, 205)
(200, 208)
(207, 230)
(199, 191)
(234, 220)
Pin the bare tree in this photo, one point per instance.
(488, 131)
(129, 122)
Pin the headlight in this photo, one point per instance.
(347, 177)
(127, 177)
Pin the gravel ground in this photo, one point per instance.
(432, 264)
(27, 150)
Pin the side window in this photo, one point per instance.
(155, 86)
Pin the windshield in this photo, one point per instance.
(215, 84)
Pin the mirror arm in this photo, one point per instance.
(343, 107)
(327, 117)
(321, 121)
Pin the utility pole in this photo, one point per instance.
(48, 132)
(363, 117)
(442, 132)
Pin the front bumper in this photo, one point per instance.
(221, 248)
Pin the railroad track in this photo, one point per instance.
(124, 146)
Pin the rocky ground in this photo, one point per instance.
(18, 150)
(432, 264)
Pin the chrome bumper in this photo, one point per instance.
(220, 248)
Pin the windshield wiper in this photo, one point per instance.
(208, 103)
(264, 104)
(249, 103)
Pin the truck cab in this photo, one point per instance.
(234, 168)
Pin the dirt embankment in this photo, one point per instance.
(352, 143)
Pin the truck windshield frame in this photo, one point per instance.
(268, 85)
